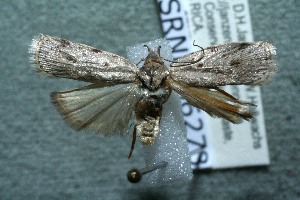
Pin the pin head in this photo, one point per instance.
(134, 175)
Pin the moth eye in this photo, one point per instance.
(161, 61)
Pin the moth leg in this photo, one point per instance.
(133, 142)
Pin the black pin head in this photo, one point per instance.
(134, 175)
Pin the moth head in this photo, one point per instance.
(154, 56)
(154, 71)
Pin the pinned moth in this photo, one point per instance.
(121, 90)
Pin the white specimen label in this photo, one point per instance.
(216, 143)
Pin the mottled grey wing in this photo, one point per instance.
(62, 58)
(247, 63)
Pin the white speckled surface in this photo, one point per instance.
(170, 144)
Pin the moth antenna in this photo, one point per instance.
(149, 49)
(184, 63)
(158, 50)
(195, 45)
(190, 62)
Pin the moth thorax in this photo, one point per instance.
(153, 72)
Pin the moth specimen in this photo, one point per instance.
(121, 90)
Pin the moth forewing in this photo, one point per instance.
(62, 58)
(246, 63)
